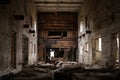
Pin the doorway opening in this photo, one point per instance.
(52, 53)
(98, 50)
(13, 50)
(72, 54)
(25, 50)
(115, 49)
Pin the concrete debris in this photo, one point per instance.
(96, 76)
(32, 73)
(83, 76)
(47, 66)
(68, 64)
(59, 64)
(93, 67)
(117, 66)
(71, 65)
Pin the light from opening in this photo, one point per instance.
(81, 26)
(100, 44)
(118, 43)
(87, 47)
(52, 53)
(117, 50)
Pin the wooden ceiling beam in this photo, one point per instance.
(58, 26)
(62, 29)
(45, 6)
(55, 2)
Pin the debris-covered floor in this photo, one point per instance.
(64, 71)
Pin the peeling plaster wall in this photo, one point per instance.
(83, 42)
(8, 25)
(103, 18)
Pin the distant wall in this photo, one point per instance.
(57, 22)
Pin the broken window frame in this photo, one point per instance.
(54, 33)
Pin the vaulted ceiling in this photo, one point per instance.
(58, 5)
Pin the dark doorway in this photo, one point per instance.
(13, 49)
(72, 54)
(25, 50)
(115, 49)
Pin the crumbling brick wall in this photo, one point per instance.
(8, 25)
(103, 18)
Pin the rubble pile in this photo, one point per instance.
(31, 72)
(64, 71)
(96, 76)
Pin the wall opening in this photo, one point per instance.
(72, 54)
(118, 42)
(53, 54)
(81, 27)
(98, 50)
(64, 34)
(86, 53)
(13, 49)
(87, 47)
(25, 50)
(115, 53)
(57, 33)
(100, 44)
(54, 33)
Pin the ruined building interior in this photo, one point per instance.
(59, 39)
